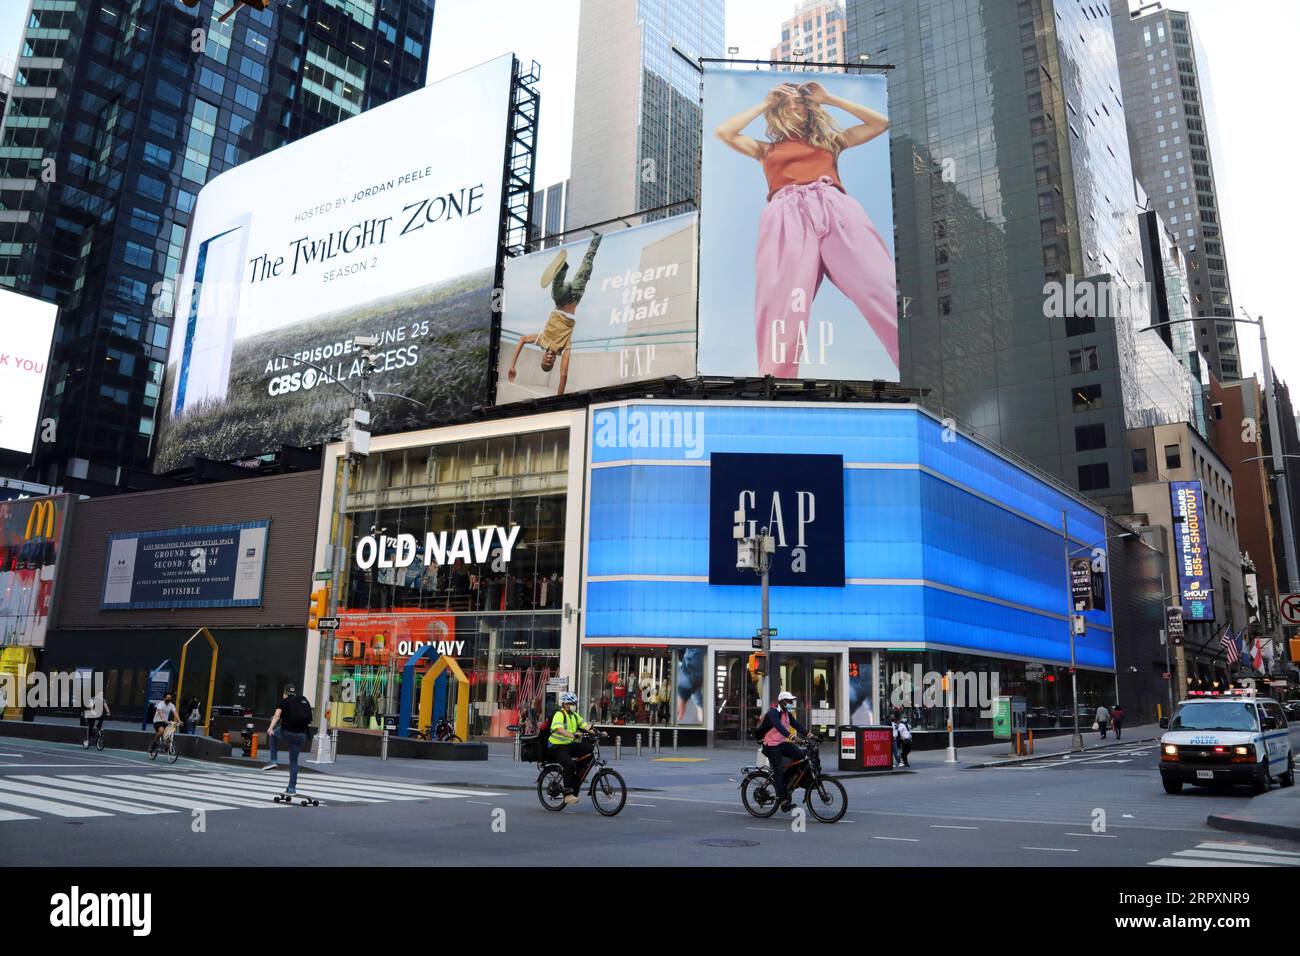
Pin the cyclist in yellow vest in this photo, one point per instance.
(566, 745)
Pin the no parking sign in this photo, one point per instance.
(1289, 606)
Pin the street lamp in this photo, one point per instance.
(755, 552)
(1076, 744)
(357, 439)
(1279, 471)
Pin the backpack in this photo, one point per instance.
(297, 716)
(534, 749)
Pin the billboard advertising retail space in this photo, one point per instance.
(606, 310)
(25, 340)
(797, 274)
(385, 225)
(210, 566)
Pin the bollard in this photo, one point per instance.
(518, 755)
(225, 738)
(249, 735)
(383, 745)
(618, 748)
(638, 743)
(253, 755)
(334, 745)
(674, 740)
(655, 733)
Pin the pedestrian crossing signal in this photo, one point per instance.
(320, 599)
(757, 664)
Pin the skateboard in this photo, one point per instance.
(303, 800)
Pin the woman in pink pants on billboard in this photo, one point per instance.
(811, 228)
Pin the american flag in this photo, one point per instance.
(1229, 642)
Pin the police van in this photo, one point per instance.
(1226, 738)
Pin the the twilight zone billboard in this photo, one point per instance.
(385, 225)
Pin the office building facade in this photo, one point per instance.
(1014, 211)
(814, 34)
(120, 112)
(636, 110)
(546, 216)
(1165, 82)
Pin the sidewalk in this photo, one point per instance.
(1274, 814)
(1001, 753)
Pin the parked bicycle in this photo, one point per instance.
(607, 788)
(443, 730)
(166, 745)
(824, 797)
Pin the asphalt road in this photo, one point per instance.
(60, 805)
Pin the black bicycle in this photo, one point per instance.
(443, 730)
(608, 791)
(824, 796)
(94, 734)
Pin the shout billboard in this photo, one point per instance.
(606, 310)
(31, 537)
(25, 341)
(385, 225)
(217, 565)
(797, 274)
(1192, 550)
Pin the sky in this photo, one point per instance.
(1248, 43)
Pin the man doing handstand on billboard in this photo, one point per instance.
(556, 338)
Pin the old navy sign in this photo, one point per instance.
(798, 498)
(490, 543)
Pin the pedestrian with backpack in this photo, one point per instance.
(293, 716)
(904, 734)
(777, 732)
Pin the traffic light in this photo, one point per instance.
(757, 664)
(320, 600)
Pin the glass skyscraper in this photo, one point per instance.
(121, 110)
(1020, 263)
(636, 114)
(1172, 136)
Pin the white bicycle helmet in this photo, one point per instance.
(568, 698)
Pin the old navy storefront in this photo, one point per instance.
(478, 559)
(903, 549)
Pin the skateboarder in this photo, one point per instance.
(556, 338)
(293, 715)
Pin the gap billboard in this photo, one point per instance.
(797, 274)
(605, 310)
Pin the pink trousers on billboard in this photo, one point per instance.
(807, 233)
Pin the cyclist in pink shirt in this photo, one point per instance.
(780, 730)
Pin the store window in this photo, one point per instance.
(651, 686)
(496, 613)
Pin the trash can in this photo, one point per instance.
(868, 747)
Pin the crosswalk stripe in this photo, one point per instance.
(1247, 847)
(1184, 861)
(420, 789)
(123, 791)
(1230, 854)
(49, 806)
(10, 815)
(311, 787)
(1238, 855)
(75, 797)
(177, 785)
(247, 797)
(233, 788)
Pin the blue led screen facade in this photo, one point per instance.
(945, 542)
